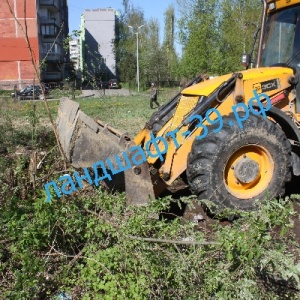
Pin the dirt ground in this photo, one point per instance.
(205, 222)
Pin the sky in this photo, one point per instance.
(151, 8)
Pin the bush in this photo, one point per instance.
(92, 246)
(85, 246)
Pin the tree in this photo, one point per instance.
(215, 34)
(125, 42)
(153, 61)
(23, 26)
(239, 21)
(199, 36)
(168, 43)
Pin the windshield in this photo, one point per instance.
(280, 43)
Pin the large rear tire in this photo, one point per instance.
(235, 167)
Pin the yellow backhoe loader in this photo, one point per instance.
(230, 149)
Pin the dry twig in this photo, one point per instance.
(37, 73)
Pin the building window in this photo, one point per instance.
(53, 68)
(49, 30)
(49, 47)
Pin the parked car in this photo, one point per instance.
(46, 88)
(114, 84)
(30, 92)
(103, 84)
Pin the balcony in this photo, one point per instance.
(48, 38)
(51, 56)
(74, 43)
(50, 4)
(52, 76)
(74, 56)
(49, 21)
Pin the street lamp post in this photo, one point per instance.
(137, 55)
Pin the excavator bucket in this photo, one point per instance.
(86, 141)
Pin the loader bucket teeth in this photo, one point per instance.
(86, 142)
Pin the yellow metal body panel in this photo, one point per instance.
(207, 87)
(260, 74)
(175, 161)
(179, 157)
(283, 3)
(185, 105)
(251, 79)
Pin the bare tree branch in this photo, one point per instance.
(37, 73)
(172, 241)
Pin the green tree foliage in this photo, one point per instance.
(242, 17)
(154, 62)
(168, 43)
(199, 35)
(125, 43)
(215, 34)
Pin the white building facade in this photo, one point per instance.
(97, 43)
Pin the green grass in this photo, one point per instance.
(5, 93)
(82, 243)
(125, 113)
(58, 93)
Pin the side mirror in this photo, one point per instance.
(246, 60)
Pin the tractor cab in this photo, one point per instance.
(280, 38)
(281, 42)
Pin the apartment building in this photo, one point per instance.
(75, 53)
(75, 60)
(97, 43)
(46, 24)
(52, 31)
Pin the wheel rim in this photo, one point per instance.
(248, 171)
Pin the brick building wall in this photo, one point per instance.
(15, 59)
